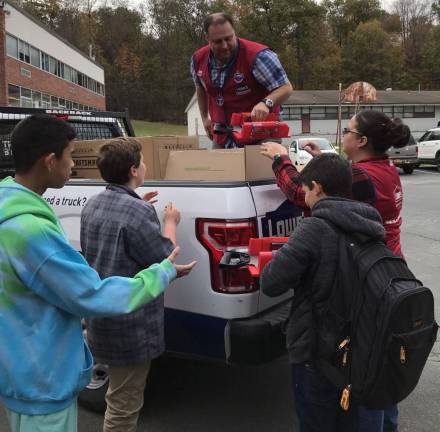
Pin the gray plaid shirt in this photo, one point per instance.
(121, 235)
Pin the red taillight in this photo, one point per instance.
(218, 236)
(231, 235)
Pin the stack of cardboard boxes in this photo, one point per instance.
(179, 158)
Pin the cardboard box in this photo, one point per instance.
(219, 165)
(157, 149)
(154, 149)
(257, 167)
(207, 165)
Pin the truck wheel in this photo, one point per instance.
(408, 169)
(93, 396)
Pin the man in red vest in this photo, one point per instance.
(232, 74)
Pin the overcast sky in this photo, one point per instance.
(386, 4)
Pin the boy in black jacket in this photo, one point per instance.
(307, 263)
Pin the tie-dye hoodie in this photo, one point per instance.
(45, 287)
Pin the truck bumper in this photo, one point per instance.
(259, 339)
(405, 162)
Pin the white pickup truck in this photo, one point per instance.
(218, 312)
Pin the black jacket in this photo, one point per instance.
(307, 263)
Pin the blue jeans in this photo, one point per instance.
(378, 420)
(391, 415)
(317, 402)
(370, 420)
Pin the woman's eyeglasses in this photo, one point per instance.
(345, 131)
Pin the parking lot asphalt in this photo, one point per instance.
(184, 396)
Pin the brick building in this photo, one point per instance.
(40, 69)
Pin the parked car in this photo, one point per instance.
(302, 157)
(429, 147)
(405, 157)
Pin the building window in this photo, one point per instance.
(28, 54)
(54, 102)
(81, 79)
(424, 111)
(35, 57)
(331, 113)
(60, 69)
(317, 113)
(67, 73)
(45, 62)
(25, 97)
(74, 75)
(24, 52)
(11, 46)
(388, 110)
(36, 99)
(52, 65)
(45, 101)
(13, 95)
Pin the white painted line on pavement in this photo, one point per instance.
(428, 172)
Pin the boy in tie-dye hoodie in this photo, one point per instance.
(46, 286)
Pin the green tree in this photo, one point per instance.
(415, 25)
(47, 11)
(436, 9)
(292, 29)
(371, 55)
(430, 64)
(344, 16)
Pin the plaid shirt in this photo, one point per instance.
(287, 177)
(121, 235)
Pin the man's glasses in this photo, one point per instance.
(345, 131)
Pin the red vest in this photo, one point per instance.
(388, 201)
(240, 92)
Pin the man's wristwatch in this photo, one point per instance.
(268, 102)
(276, 157)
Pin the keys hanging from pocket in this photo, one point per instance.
(402, 355)
(345, 398)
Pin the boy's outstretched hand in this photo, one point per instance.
(181, 269)
(270, 149)
(149, 197)
(311, 147)
(171, 214)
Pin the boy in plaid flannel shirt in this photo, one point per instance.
(121, 233)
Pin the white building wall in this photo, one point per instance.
(20, 26)
(194, 119)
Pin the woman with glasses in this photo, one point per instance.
(366, 139)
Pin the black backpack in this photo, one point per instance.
(377, 329)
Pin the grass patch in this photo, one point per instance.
(145, 128)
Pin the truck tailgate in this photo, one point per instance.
(277, 217)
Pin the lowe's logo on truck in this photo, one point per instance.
(282, 221)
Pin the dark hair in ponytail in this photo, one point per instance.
(381, 131)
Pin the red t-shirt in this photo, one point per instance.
(388, 199)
